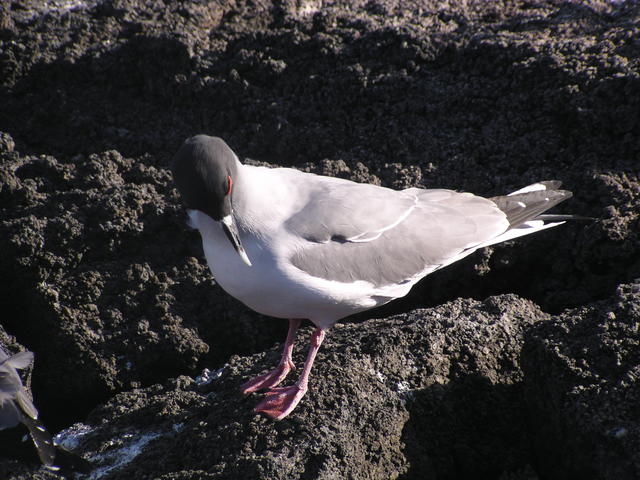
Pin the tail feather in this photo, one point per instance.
(530, 202)
(524, 210)
(562, 218)
(544, 185)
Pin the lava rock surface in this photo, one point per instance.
(533, 375)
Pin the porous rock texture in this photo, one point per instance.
(103, 281)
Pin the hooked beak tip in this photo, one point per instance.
(244, 257)
(231, 230)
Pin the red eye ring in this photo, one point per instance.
(229, 184)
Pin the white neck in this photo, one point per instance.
(260, 197)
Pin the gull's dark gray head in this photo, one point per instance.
(204, 169)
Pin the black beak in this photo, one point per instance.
(230, 228)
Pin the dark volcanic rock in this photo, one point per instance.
(582, 378)
(102, 280)
(420, 395)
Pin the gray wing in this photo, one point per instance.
(10, 382)
(10, 385)
(20, 360)
(401, 240)
(26, 403)
(12, 391)
(9, 415)
(343, 211)
(11, 388)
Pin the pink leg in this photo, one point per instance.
(280, 402)
(277, 375)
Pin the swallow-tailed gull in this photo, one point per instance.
(296, 245)
(16, 406)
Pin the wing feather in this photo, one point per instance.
(410, 232)
(20, 360)
(347, 212)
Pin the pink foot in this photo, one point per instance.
(273, 378)
(268, 380)
(280, 402)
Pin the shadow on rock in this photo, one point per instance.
(582, 388)
(435, 391)
(467, 428)
(121, 99)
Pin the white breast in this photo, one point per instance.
(272, 286)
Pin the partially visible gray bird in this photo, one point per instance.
(16, 405)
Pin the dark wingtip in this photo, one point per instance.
(551, 184)
(550, 217)
(520, 207)
(68, 461)
(563, 193)
(42, 439)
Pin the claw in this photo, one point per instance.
(280, 402)
(268, 380)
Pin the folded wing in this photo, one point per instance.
(385, 237)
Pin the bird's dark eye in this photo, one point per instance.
(229, 185)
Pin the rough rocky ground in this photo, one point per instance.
(102, 280)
